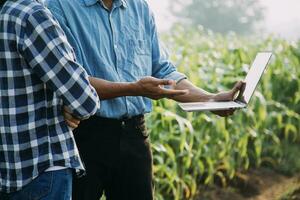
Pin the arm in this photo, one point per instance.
(197, 94)
(110, 90)
(148, 87)
(50, 56)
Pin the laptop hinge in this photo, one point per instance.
(240, 102)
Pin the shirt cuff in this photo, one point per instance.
(176, 76)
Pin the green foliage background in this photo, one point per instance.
(200, 148)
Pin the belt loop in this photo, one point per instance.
(123, 123)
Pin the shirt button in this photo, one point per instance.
(115, 46)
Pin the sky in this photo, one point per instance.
(282, 17)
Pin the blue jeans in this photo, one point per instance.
(53, 185)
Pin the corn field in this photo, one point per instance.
(200, 148)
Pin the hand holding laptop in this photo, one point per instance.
(225, 103)
(231, 95)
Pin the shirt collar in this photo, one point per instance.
(122, 3)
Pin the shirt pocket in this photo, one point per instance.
(136, 47)
(138, 54)
(139, 60)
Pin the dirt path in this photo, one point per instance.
(262, 184)
(276, 190)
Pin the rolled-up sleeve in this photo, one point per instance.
(52, 59)
(162, 67)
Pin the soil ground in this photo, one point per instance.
(261, 184)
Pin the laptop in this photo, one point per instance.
(253, 76)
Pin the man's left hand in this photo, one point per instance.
(229, 96)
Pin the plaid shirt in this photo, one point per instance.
(38, 75)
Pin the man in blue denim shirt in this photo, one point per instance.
(117, 40)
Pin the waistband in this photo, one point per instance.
(135, 120)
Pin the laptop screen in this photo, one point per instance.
(256, 71)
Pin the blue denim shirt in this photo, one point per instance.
(119, 45)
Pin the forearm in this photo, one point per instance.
(195, 93)
(109, 90)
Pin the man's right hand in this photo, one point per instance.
(153, 88)
(71, 121)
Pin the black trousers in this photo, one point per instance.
(117, 157)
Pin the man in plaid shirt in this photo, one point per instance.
(38, 77)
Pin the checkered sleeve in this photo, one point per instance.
(52, 59)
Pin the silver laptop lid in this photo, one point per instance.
(256, 71)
